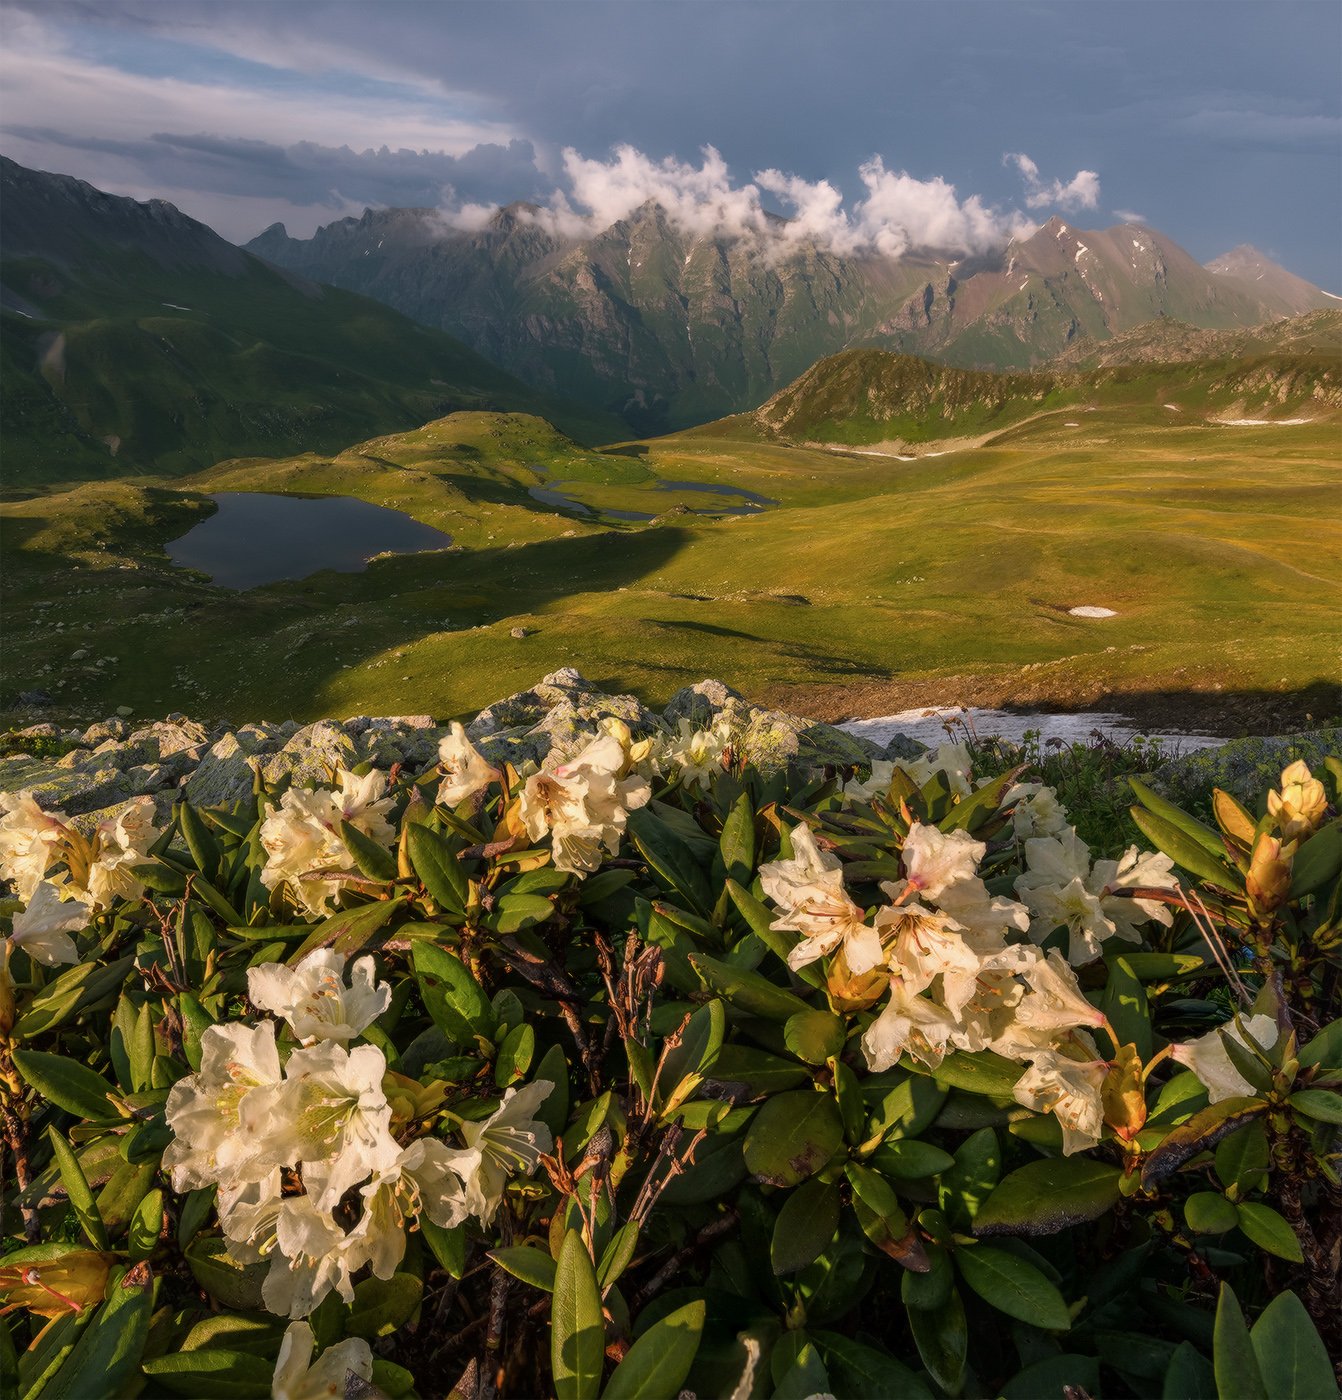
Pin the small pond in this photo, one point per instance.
(752, 501)
(929, 727)
(255, 538)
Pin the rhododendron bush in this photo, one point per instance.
(642, 1073)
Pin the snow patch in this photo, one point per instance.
(1173, 407)
(1092, 612)
(928, 726)
(1332, 296)
(1258, 422)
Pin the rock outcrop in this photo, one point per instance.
(114, 760)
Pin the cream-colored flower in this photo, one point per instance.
(332, 1116)
(314, 999)
(951, 760)
(1068, 1086)
(1037, 811)
(1054, 1000)
(583, 805)
(44, 927)
(878, 784)
(1209, 1059)
(1134, 870)
(809, 892)
(696, 755)
(911, 1024)
(925, 945)
(214, 1114)
(934, 859)
(421, 1181)
(121, 841)
(318, 1258)
(1301, 804)
(510, 1141)
(466, 771)
(31, 842)
(323, 1379)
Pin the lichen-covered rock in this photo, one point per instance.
(774, 740)
(411, 740)
(69, 790)
(902, 746)
(224, 774)
(701, 703)
(1245, 768)
(311, 755)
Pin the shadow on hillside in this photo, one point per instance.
(1229, 712)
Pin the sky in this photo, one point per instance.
(875, 127)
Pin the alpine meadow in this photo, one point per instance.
(670, 700)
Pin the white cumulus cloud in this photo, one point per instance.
(1082, 191)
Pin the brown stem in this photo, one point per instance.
(712, 1231)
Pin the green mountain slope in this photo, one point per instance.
(669, 328)
(135, 340)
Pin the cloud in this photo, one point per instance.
(1128, 216)
(1082, 191)
(898, 213)
(1247, 126)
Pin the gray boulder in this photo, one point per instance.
(311, 754)
(1245, 768)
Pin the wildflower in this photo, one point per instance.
(328, 1376)
(1037, 811)
(927, 945)
(466, 771)
(1054, 1000)
(311, 1256)
(121, 841)
(31, 842)
(882, 775)
(934, 859)
(333, 1117)
(911, 1024)
(314, 999)
(420, 1181)
(214, 1114)
(810, 892)
(697, 754)
(1301, 804)
(1209, 1059)
(43, 928)
(952, 761)
(509, 1141)
(1069, 1086)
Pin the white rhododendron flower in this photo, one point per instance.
(423, 1181)
(466, 771)
(583, 804)
(1054, 1000)
(1037, 811)
(953, 761)
(1061, 890)
(296, 1379)
(911, 1024)
(1209, 1059)
(215, 1114)
(934, 859)
(43, 929)
(314, 999)
(302, 836)
(120, 843)
(333, 1117)
(31, 842)
(809, 890)
(509, 1141)
(696, 755)
(1069, 1088)
(863, 790)
(312, 1257)
(925, 946)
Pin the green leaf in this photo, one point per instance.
(348, 931)
(230, 1284)
(805, 1226)
(434, 859)
(760, 918)
(857, 1369)
(77, 989)
(1204, 836)
(1317, 862)
(448, 1246)
(699, 1044)
(1325, 1048)
(1291, 1358)
(962, 1190)
(1013, 1286)
(1242, 1159)
(111, 1345)
(1200, 1134)
(514, 1057)
(1209, 1213)
(792, 1136)
(1269, 1231)
(213, 1374)
(577, 1330)
(1124, 1003)
(1322, 1104)
(909, 1160)
(737, 844)
(382, 1305)
(1191, 855)
(747, 990)
(979, 1071)
(454, 999)
(66, 1083)
(77, 1189)
(1054, 1378)
(655, 1367)
(145, 1226)
(617, 1255)
(813, 1036)
(200, 841)
(671, 860)
(371, 860)
(1234, 1358)
(942, 1338)
(760, 1072)
(526, 1262)
(1189, 1375)
(971, 812)
(1044, 1197)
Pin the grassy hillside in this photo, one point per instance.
(874, 583)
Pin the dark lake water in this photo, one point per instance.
(752, 501)
(255, 538)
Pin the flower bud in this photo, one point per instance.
(1122, 1094)
(1269, 877)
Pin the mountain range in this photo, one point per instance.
(669, 328)
(137, 340)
